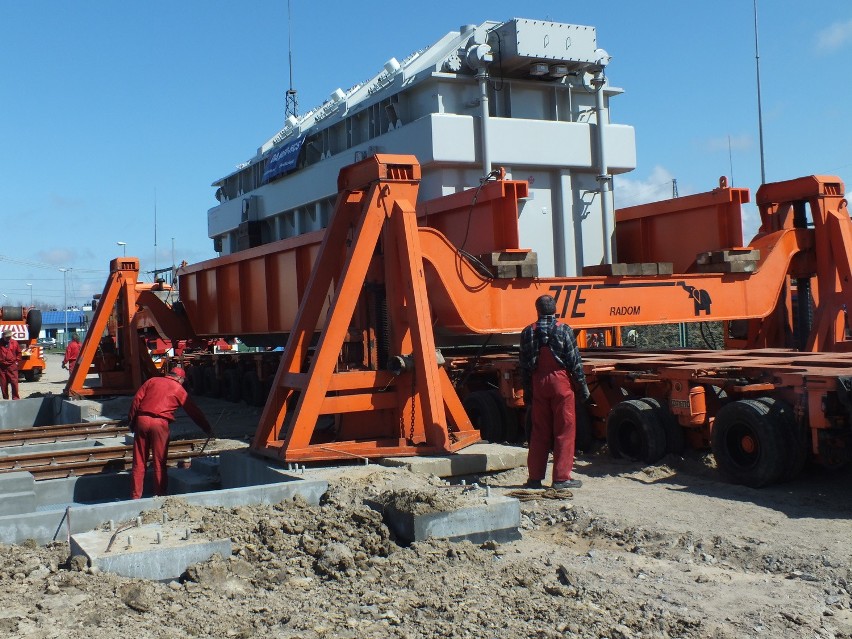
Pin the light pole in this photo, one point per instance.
(65, 303)
(123, 246)
(31, 293)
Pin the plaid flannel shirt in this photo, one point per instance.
(560, 338)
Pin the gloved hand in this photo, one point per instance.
(528, 396)
(63, 365)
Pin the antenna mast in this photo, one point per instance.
(292, 102)
(759, 108)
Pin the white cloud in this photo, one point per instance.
(630, 191)
(834, 36)
(742, 142)
(57, 257)
(64, 202)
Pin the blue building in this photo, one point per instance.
(53, 324)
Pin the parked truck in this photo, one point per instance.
(25, 324)
(396, 318)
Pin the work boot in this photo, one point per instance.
(568, 483)
(533, 483)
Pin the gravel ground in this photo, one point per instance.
(667, 551)
(663, 551)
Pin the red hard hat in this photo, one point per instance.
(178, 372)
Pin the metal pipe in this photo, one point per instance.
(482, 76)
(604, 178)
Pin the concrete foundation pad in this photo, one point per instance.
(24, 413)
(473, 460)
(186, 480)
(46, 526)
(494, 518)
(153, 551)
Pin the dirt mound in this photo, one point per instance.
(635, 552)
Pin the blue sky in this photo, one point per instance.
(110, 110)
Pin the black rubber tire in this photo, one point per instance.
(232, 387)
(634, 431)
(484, 414)
(749, 447)
(503, 411)
(34, 322)
(675, 441)
(212, 385)
(195, 380)
(796, 443)
(32, 375)
(253, 390)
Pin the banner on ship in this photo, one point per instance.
(283, 160)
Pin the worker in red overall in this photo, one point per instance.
(152, 410)
(10, 354)
(72, 353)
(552, 369)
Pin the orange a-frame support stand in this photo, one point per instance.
(113, 347)
(372, 239)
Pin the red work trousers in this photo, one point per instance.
(9, 375)
(151, 436)
(554, 425)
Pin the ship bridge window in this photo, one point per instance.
(230, 187)
(384, 116)
(313, 150)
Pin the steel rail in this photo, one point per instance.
(69, 463)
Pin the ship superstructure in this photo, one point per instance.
(525, 95)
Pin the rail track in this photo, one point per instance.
(93, 460)
(61, 433)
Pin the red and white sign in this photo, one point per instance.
(19, 331)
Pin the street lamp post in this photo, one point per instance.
(65, 303)
(31, 293)
(123, 246)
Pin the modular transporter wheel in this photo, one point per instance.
(796, 435)
(634, 430)
(675, 441)
(232, 385)
(749, 447)
(484, 413)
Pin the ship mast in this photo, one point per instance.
(292, 102)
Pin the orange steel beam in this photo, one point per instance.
(377, 202)
(466, 301)
(655, 232)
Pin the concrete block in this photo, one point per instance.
(17, 503)
(153, 551)
(473, 460)
(50, 525)
(187, 480)
(24, 413)
(208, 466)
(88, 410)
(495, 518)
(240, 468)
(17, 481)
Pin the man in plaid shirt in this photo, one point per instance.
(551, 362)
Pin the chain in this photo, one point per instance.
(413, 402)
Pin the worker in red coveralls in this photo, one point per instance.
(10, 353)
(152, 410)
(552, 369)
(72, 353)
